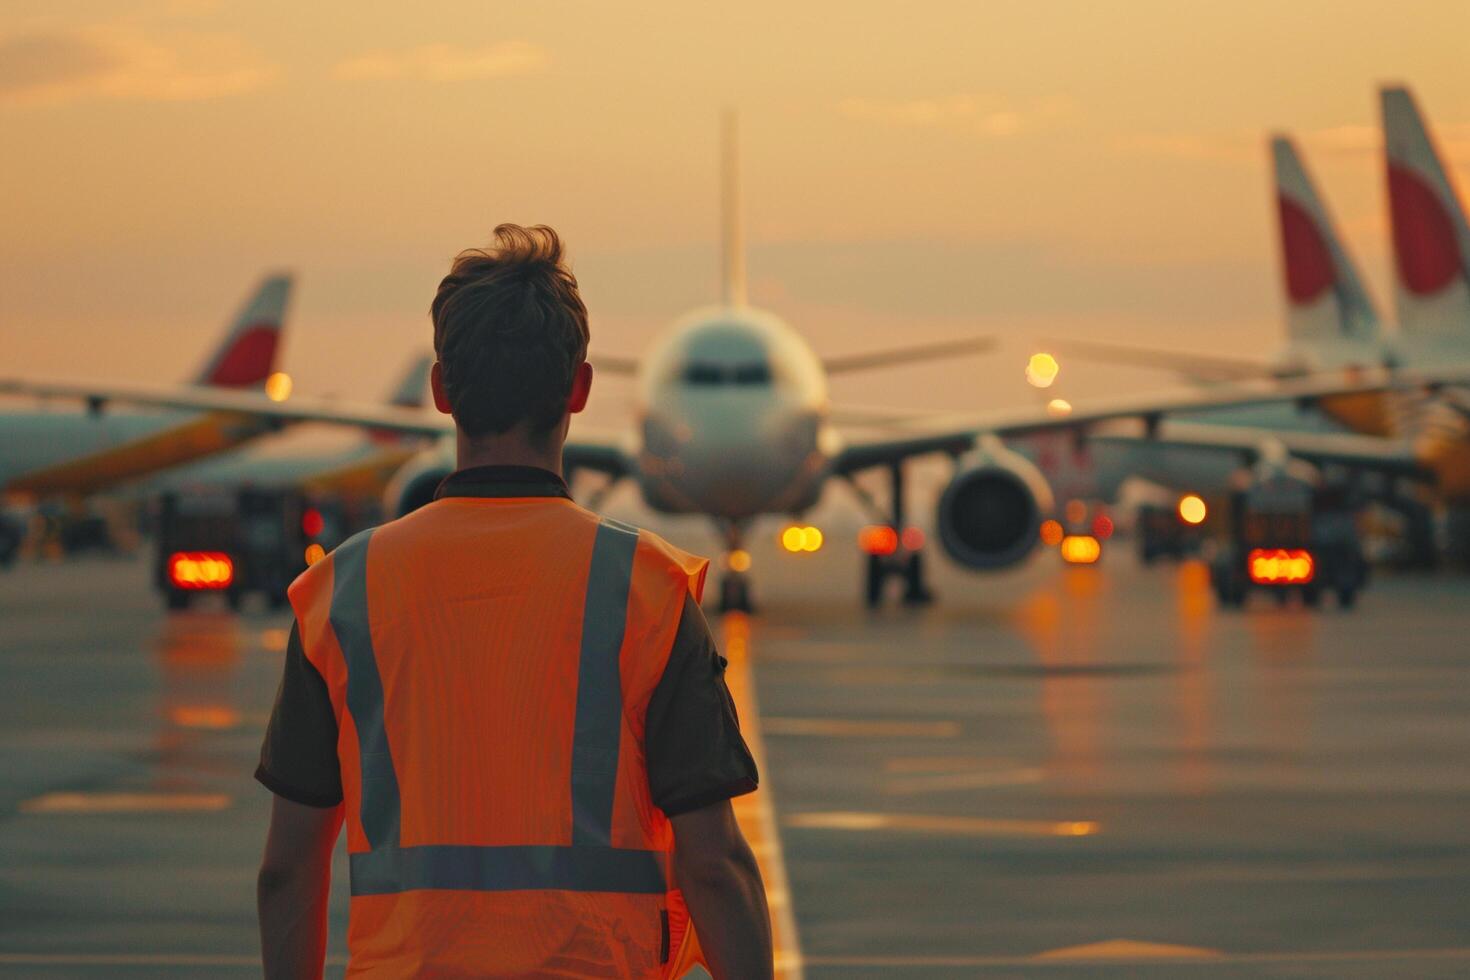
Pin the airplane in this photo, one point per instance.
(357, 472)
(51, 453)
(1332, 323)
(735, 424)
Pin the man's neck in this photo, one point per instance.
(510, 449)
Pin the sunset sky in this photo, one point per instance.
(914, 171)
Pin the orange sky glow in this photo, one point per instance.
(915, 172)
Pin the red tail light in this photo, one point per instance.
(200, 570)
(1281, 566)
(878, 539)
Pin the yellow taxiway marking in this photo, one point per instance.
(1129, 949)
(860, 728)
(981, 826)
(125, 802)
(756, 813)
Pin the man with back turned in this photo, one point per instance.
(515, 706)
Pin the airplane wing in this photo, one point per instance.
(1192, 366)
(613, 364)
(1390, 456)
(592, 451)
(846, 363)
(962, 433)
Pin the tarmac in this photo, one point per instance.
(1053, 771)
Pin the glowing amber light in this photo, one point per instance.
(278, 386)
(1080, 549)
(878, 539)
(200, 570)
(1192, 509)
(796, 539)
(1281, 566)
(913, 539)
(1041, 370)
(1051, 533)
(738, 560)
(1059, 407)
(315, 553)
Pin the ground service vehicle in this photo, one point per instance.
(233, 543)
(1288, 536)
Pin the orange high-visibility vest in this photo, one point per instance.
(490, 662)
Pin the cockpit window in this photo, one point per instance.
(708, 374)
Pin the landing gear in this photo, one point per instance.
(897, 553)
(735, 583)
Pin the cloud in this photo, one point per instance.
(447, 63)
(124, 64)
(987, 116)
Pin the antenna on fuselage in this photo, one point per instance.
(732, 235)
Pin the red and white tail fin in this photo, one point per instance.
(247, 356)
(1330, 318)
(1431, 243)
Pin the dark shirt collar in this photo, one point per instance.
(502, 481)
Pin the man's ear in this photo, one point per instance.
(436, 385)
(581, 388)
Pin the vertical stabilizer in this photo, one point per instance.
(1431, 243)
(410, 389)
(247, 355)
(732, 232)
(1330, 319)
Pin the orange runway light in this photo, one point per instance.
(314, 554)
(201, 570)
(1051, 533)
(1281, 566)
(1080, 549)
(738, 560)
(878, 539)
(1192, 509)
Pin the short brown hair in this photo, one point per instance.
(510, 331)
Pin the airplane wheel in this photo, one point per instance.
(735, 594)
(875, 582)
(916, 592)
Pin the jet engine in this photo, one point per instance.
(415, 482)
(990, 514)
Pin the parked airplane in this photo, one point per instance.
(735, 424)
(49, 452)
(358, 471)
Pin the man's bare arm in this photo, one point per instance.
(722, 884)
(291, 893)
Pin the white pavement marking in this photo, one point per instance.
(861, 728)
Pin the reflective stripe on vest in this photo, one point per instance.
(589, 864)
